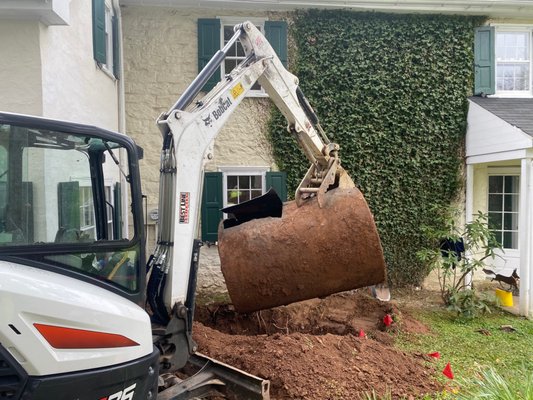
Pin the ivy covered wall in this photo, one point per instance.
(392, 90)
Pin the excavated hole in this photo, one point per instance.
(312, 350)
(340, 314)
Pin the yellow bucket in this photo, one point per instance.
(506, 298)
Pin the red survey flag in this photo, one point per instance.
(362, 333)
(447, 371)
(387, 320)
(435, 354)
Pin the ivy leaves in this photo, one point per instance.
(392, 90)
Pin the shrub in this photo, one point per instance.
(457, 254)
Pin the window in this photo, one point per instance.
(213, 34)
(513, 61)
(234, 186)
(87, 222)
(236, 53)
(55, 198)
(242, 185)
(503, 62)
(105, 37)
(503, 209)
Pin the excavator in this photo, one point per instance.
(83, 316)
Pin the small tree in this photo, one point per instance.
(457, 253)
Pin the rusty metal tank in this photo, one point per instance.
(307, 252)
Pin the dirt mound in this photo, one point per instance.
(312, 350)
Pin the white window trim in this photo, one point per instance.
(241, 170)
(231, 20)
(515, 93)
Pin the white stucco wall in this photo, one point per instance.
(74, 87)
(20, 69)
(160, 50)
(50, 71)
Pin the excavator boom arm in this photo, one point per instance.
(189, 128)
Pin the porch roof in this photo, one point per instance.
(499, 130)
(517, 112)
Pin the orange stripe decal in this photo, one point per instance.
(69, 338)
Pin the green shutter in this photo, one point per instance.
(278, 181)
(68, 201)
(99, 45)
(276, 34)
(208, 45)
(116, 48)
(212, 203)
(484, 59)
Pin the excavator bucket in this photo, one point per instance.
(309, 251)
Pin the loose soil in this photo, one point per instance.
(332, 348)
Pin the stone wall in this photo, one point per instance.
(160, 61)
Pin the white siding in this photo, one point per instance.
(489, 135)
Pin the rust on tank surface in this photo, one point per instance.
(309, 252)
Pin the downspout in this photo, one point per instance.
(469, 210)
(121, 113)
(120, 86)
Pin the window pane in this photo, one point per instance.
(511, 202)
(495, 202)
(509, 53)
(244, 182)
(233, 197)
(244, 196)
(257, 181)
(508, 84)
(240, 49)
(509, 40)
(228, 33)
(495, 221)
(512, 184)
(229, 65)
(510, 221)
(256, 193)
(495, 184)
(232, 181)
(510, 240)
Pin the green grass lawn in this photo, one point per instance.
(474, 345)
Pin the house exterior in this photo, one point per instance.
(498, 156)
(163, 43)
(52, 70)
(499, 146)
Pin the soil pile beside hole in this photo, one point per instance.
(311, 350)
